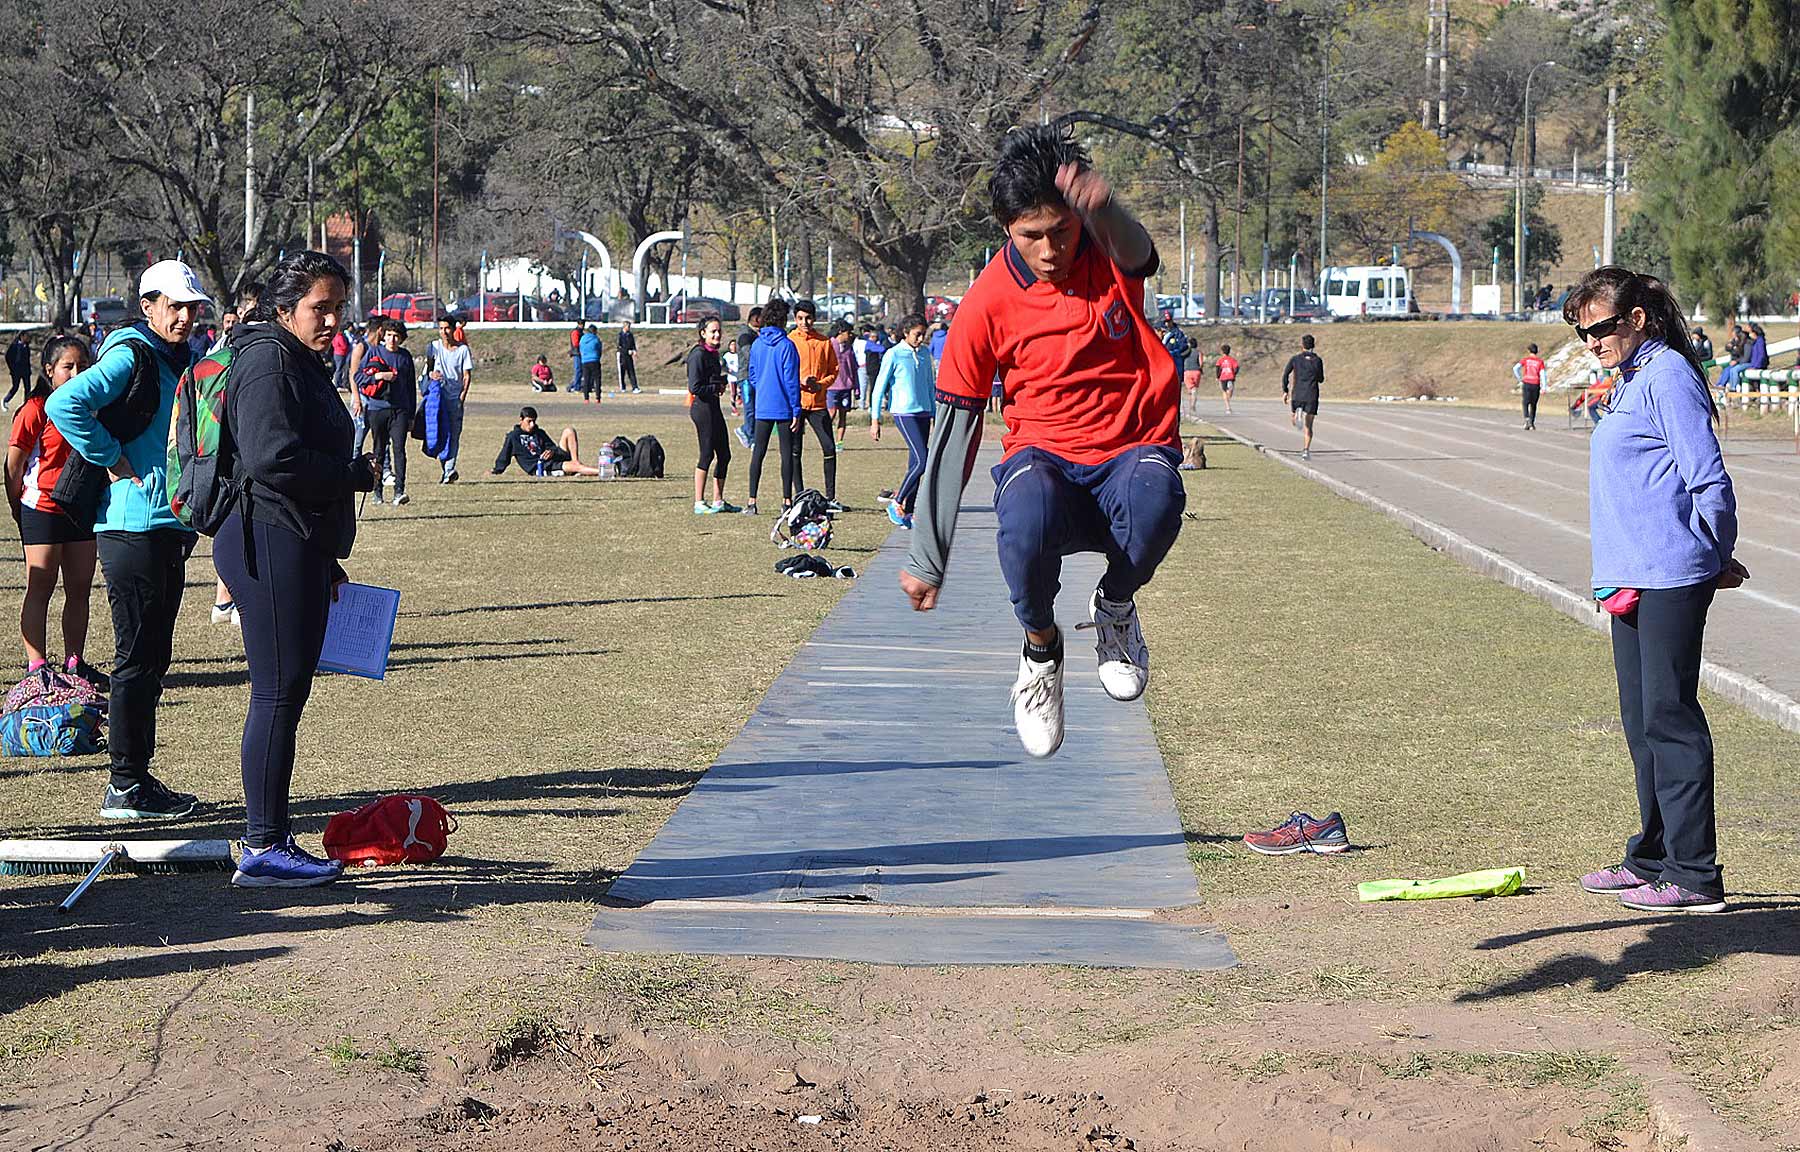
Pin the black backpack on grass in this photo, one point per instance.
(647, 461)
(624, 452)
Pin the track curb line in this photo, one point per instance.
(1748, 693)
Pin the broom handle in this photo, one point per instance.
(106, 859)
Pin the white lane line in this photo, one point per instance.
(1558, 525)
(1743, 540)
(894, 684)
(834, 722)
(907, 648)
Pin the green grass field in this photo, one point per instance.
(571, 655)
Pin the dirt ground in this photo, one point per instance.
(573, 654)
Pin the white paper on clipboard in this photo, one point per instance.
(360, 630)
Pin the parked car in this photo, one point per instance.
(1167, 302)
(693, 309)
(844, 306)
(409, 307)
(504, 306)
(108, 310)
(1282, 304)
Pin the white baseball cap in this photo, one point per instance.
(173, 279)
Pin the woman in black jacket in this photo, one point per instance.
(706, 383)
(296, 476)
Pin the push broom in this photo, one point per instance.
(93, 857)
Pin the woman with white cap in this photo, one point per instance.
(116, 416)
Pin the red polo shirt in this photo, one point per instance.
(1084, 375)
(1531, 370)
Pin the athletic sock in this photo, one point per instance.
(34, 665)
(1051, 653)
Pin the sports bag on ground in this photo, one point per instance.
(624, 455)
(806, 523)
(53, 730)
(647, 460)
(52, 688)
(201, 491)
(391, 830)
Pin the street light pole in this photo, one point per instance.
(1519, 191)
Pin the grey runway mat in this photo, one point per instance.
(881, 770)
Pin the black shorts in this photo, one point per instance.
(37, 527)
(1227, 385)
(1309, 406)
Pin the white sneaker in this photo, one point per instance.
(1037, 698)
(1124, 660)
(387, 479)
(223, 612)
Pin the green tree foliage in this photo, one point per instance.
(1725, 101)
(1543, 245)
(1642, 247)
(1405, 186)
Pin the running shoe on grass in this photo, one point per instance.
(1606, 881)
(1660, 897)
(1301, 832)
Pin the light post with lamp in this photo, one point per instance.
(1519, 193)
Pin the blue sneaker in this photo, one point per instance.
(725, 506)
(284, 865)
(702, 508)
(897, 516)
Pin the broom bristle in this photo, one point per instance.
(52, 867)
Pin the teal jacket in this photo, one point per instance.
(904, 386)
(128, 506)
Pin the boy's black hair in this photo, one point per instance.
(775, 313)
(528, 413)
(806, 306)
(1225, 348)
(1532, 348)
(1306, 341)
(1024, 174)
(755, 314)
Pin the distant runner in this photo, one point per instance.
(1530, 371)
(1305, 372)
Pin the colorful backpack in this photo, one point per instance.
(806, 523)
(391, 830)
(53, 730)
(201, 492)
(51, 688)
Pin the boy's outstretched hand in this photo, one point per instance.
(1084, 189)
(923, 596)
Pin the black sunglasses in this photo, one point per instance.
(1600, 328)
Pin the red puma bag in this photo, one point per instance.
(391, 830)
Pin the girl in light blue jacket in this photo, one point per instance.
(906, 386)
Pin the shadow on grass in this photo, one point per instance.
(184, 918)
(541, 605)
(1673, 944)
(239, 676)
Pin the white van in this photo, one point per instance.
(1368, 290)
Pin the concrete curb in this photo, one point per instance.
(1749, 694)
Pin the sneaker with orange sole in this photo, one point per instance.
(1301, 832)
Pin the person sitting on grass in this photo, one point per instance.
(537, 454)
(541, 378)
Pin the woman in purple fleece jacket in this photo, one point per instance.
(1663, 526)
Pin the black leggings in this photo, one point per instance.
(820, 422)
(282, 588)
(784, 430)
(1528, 395)
(389, 426)
(715, 442)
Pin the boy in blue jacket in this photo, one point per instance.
(143, 547)
(775, 387)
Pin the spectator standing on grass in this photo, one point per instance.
(223, 610)
(575, 335)
(705, 386)
(386, 393)
(1304, 373)
(939, 333)
(58, 541)
(626, 345)
(1175, 342)
(818, 368)
(18, 366)
(745, 397)
(1530, 370)
(453, 367)
(340, 360)
(1663, 527)
(294, 467)
(874, 348)
(143, 548)
(775, 381)
(906, 386)
(840, 394)
(590, 349)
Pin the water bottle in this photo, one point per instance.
(607, 465)
(540, 466)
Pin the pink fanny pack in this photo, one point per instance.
(1622, 602)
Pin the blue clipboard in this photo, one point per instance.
(360, 631)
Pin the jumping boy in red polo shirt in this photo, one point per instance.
(1092, 416)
